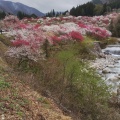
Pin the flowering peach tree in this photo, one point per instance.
(29, 38)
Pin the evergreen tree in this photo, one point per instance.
(98, 9)
(85, 9)
(104, 9)
(22, 15)
(2, 15)
(97, 1)
(72, 11)
(82, 12)
(53, 13)
(57, 14)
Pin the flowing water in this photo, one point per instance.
(112, 49)
(112, 76)
(109, 67)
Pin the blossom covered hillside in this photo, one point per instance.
(32, 34)
(52, 56)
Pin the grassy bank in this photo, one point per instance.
(65, 77)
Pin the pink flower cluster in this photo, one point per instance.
(97, 32)
(98, 21)
(20, 42)
(76, 35)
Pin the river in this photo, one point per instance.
(108, 66)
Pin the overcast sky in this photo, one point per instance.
(47, 5)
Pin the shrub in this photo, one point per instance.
(109, 41)
(85, 48)
(73, 84)
(81, 88)
(115, 27)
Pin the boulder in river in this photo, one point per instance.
(106, 70)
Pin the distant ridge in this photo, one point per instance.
(14, 7)
(104, 1)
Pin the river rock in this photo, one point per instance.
(106, 70)
(118, 76)
(102, 55)
(113, 79)
(111, 66)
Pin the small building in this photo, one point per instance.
(67, 13)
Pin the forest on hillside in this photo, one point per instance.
(94, 8)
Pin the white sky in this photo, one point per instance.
(47, 5)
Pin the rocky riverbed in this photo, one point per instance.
(108, 67)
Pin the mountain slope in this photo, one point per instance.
(13, 8)
(103, 1)
(109, 1)
(97, 1)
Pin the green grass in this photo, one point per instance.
(43, 100)
(3, 83)
(109, 41)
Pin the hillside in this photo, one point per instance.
(104, 1)
(18, 100)
(46, 70)
(95, 8)
(14, 7)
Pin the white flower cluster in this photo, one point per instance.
(25, 52)
(64, 28)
